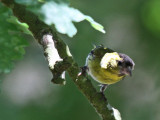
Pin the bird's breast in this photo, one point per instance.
(101, 75)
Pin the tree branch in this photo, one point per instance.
(54, 46)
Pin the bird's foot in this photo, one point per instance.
(103, 87)
(84, 70)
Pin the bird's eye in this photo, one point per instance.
(119, 63)
(128, 64)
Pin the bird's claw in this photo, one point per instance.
(83, 71)
(103, 88)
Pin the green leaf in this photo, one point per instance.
(21, 26)
(95, 25)
(63, 16)
(59, 13)
(12, 42)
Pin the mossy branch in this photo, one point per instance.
(52, 46)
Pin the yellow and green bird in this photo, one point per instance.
(107, 66)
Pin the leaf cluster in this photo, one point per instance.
(12, 42)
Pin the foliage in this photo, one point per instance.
(151, 17)
(60, 14)
(57, 13)
(63, 16)
(11, 41)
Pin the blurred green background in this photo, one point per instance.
(132, 27)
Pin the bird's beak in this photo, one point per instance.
(127, 71)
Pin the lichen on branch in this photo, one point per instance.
(55, 62)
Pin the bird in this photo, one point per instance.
(107, 66)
